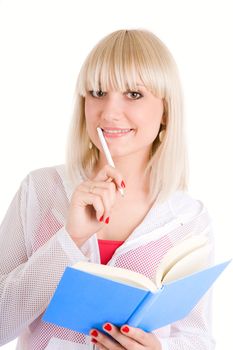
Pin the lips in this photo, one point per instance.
(115, 131)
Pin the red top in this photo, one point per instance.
(107, 249)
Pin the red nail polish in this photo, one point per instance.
(94, 333)
(101, 219)
(108, 327)
(93, 340)
(125, 329)
(122, 184)
(107, 220)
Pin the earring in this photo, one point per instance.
(161, 135)
(90, 145)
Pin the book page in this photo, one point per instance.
(192, 262)
(117, 274)
(187, 257)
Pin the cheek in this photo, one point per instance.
(152, 131)
(89, 123)
(151, 123)
(87, 110)
(154, 119)
(90, 107)
(91, 119)
(90, 116)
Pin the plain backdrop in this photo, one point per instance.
(42, 47)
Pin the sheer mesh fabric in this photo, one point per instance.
(35, 249)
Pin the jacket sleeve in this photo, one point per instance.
(194, 331)
(27, 283)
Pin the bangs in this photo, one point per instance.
(121, 62)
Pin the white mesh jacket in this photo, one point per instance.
(35, 249)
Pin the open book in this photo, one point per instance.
(88, 295)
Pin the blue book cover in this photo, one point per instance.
(83, 300)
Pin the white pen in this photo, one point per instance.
(107, 154)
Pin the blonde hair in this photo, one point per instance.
(118, 61)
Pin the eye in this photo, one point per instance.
(134, 95)
(97, 94)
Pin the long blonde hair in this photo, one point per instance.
(118, 61)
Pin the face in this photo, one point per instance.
(130, 120)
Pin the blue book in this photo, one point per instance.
(89, 295)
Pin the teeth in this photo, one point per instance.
(117, 131)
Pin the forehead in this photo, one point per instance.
(134, 87)
(122, 63)
(116, 78)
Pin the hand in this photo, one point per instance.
(91, 204)
(125, 338)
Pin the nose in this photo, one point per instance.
(112, 108)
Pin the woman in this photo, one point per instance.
(129, 87)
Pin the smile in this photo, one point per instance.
(116, 132)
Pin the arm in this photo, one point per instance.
(195, 330)
(27, 283)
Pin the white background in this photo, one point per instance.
(43, 44)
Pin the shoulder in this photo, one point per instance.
(46, 175)
(184, 206)
(46, 179)
(51, 178)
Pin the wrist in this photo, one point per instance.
(77, 240)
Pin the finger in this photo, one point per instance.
(124, 341)
(101, 347)
(107, 193)
(143, 338)
(103, 194)
(98, 345)
(84, 199)
(91, 186)
(103, 341)
(109, 172)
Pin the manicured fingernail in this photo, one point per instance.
(107, 220)
(94, 333)
(125, 329)
(101, 219)
(108, 327)
(93, 340)
(122, 184)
